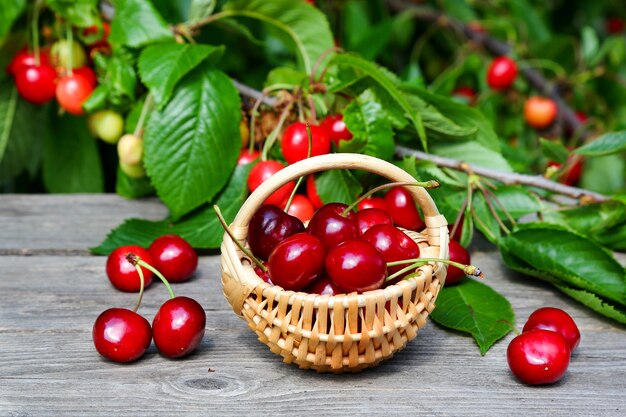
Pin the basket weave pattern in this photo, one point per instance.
(343, 333)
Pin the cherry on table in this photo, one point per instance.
(301, 207)
(295, 142)
(261, 172)
(538, 357)
(122, 274)
(268, 227)
(336, 128)
(401, 206)
(178, 327)
(36, 84)
(393, 244)
(331, 227)
(457, 254)
(121, 335)
(501, 73)
(356, 265)
(556, 320)
(174, 257)
(296, 261)
(369, 217)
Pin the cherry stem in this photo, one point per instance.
(141, 288)
(428, 185)
(245, 250)
(467, 269)
(308, 155)
(457, 221)
(269, 142)
(158, 274)
(145, 109)
(70, 55)
(404, 270)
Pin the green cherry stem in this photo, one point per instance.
(141, 287)
(404, 270)
(467, 269)
(145, 109)
(70, 41)
(427, 184)
(269, 142)
(308, 155)
(158, 274)
(245, 250)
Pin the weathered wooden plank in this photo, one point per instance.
(49, 366)
(58, 224)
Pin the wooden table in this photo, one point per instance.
(52, 290)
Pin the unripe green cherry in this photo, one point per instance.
(64, 52)
(133, 170)
(108, 125)
(130, 149)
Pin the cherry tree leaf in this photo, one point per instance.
(137, 23)
(606, 144)
(475, 308)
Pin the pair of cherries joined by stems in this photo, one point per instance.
(122, 335)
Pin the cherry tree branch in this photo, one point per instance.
(494, 47)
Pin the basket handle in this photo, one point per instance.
(324, 163)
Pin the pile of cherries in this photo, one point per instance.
(341, 251)
(541, 354)
(122, 335)
(62, 71)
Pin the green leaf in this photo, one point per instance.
(555, 151)
(121, 78)
(604, 174)
(517, 201)
(475, 308)
(338, 186)
(573, 259)
(609, 143)
(297, 23)
(372, 42)
(81, 13)
(132, 187)
(162, 66)
(9, 12)
(200, 228)
(370, 128)
(22, 127)
(380, 76)
(484, 219)
(137, 23)
(589, 44)
(473, 153)
(192, 145)
(200, 9)
(71, 163)
(596, 303)
(285, 76)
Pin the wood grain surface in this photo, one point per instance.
(51, 292)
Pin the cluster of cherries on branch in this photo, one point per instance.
(122, 335)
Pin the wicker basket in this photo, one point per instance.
(343, 333)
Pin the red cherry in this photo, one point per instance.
(614, 25)
(25, 58)
(174, 257)
(356, 265)
(571, 176)
(401, 206)
(264, 275)
(178, 327)
(336, 128)
(460, 255)
(393, 244)
(268, 227)
(538, 357)
(296, 261)
(295, 142)
(331, 227)
(102, 41)
(540, 112)
(245, 157)
(311, 192)
(555, 320)
(323, 286)
(467, 94)
(301, 207)
(36, 84)
(72, 91)
(370, 217)
(121, 335)
(501, 73)
(89, 74)
(372, 202)
(262, 172)
(122, 274)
